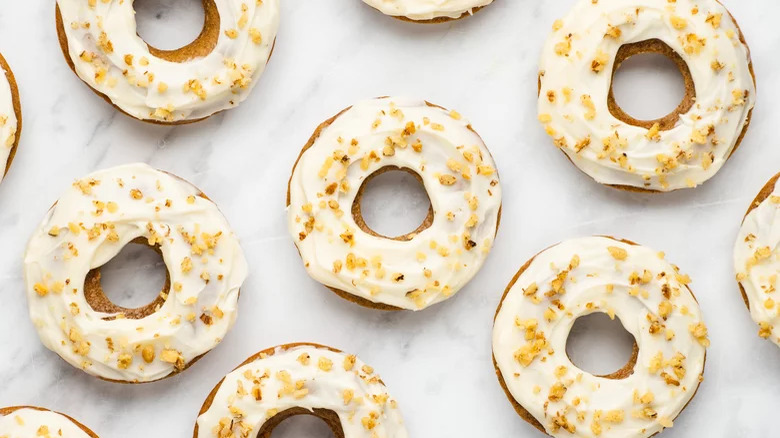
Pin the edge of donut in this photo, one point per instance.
(63, 40)
(439, 20)
(10, 410)
(17, 104)
(622, 373)
(363, 302)
(336, 428)
(748, 119)
(763, 195)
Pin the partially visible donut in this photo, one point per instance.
(580, 277)
(215, 72)
(26, 421)
(757, 260)
(10, 117)
(428, 11)
(88, 226)
(418, 269)
(300, 379)
(681, 150)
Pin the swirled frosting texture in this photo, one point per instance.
(427, 9)
(8, 122)
(89, 225)
(305, 377)
(112, 59)
(575, 82)
(757, 263)
(457, 171)
(651, 299)
(33, 423)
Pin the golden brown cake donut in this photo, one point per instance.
(415, 270)
(683, 149)
(579, 277)
(215, 72)
(300, 379)
(27, 421)
(88, 226)
(10, 117)
(756, 262)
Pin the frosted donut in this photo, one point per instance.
(300, 379)
(88, 226)
(416, 270)
(652, 301)
(28, 422)
(683, 149)
(215, 72)
(10, 117)
(757, 260)
(428, 11)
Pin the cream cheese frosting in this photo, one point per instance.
(427, 9)
(112, 59)
(575, 83)
(457, 171)
(8, 122)
(652, 301)
(302, 376)
(88, 226)
(34, 423)
(757, 263)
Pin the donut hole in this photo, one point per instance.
(178, 30)
(132, 283)
(298, 422)
(393, 203)
(602, 346)
(650, 84)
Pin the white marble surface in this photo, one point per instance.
(437, 362)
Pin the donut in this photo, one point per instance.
(757, 263)
(583, 276)
(300, 379)
(26, 421)
(681, 150)
(215, 72)
(10, 118)
(428, 11)
(88, 226)
(415, 270)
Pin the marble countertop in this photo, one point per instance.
(437, 363)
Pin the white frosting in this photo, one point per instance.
(305, 377)
(597, 274)
(8, 122)
(89, 225)
(757, 263)
(427, 9)
(111, 58)
(32, 423)
(573, 97)
(457, 171)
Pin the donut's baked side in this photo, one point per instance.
(762, 196)
(17, 103)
